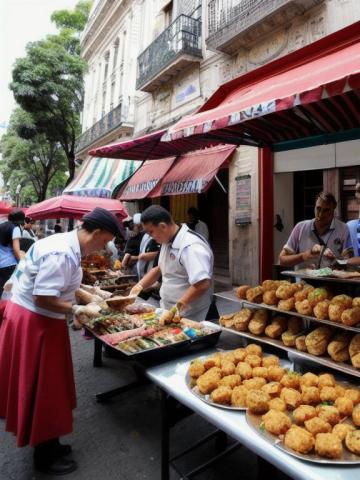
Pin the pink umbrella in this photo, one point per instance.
(5, 208)
(69, 206)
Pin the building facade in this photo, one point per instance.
(151, 62)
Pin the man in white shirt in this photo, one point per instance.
(196, 224)
(185, 265)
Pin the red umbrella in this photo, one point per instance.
(5, 208)
(69, 206)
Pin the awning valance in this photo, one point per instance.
(312, 91)
(145, 180)
(189, 173)
(99, 177)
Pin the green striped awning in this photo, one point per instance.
(99, 177)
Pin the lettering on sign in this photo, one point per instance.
(186, 186)
(243, 200)
(141, 187)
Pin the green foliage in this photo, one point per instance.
(36, 163)
(48, 84)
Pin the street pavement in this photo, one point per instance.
(120, 439)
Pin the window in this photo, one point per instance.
(106, 69)
(116, 52)
(168, 11)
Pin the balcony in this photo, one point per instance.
(174, 49)
(116, 118)
(235, 24)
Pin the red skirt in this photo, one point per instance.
(2, 309)
(37, 390)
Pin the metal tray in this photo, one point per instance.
(305, 276)
(207, 398)
(326, 361)
(348, 458)
(175, 349)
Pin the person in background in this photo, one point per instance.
(10, 234)
(149, 250)
(318, 242)
(185, 264)
(132, 247)
(57, 228)
(37, 391)
(354, 237)
(196, 224)
(28, 231)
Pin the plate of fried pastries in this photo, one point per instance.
(316, 419)
(225, 378)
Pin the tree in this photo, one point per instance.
(48, 83)
(35, 163)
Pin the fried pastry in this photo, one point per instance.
(303, 413)
(318, 340)
(238, 396)
(328, 445)
(344, 405)
(270, 298)
(326, 380)
(254, 349)
(356, 416)
(295, 324)
(321, 310)
(257, 401)
(328, 413)
(318, 295)
(291, 380)
(231, 381)
(273, 389)
(287, 305)
(342, 429)
(351, 316)
(207, 383)
(286, 290)
(352, 441)
(213, 361)
(304, 307)
(328, 394)
(338, 348)
(241, 291)
(242, 319)
(221, 395)
(302, 294)
(277, 404)
(253, 360)
(300, 343)
(317, 425)
(227, 321)
(310, 395)
(343, 300)
(270, 360)
(268, 285)
(275, 373)
(354, 350)
(356, 302)
(335, 311)
(291, 397)
(309, 379)
(196, 369)
(276, 422)
(227, 368)
(273, 331)
(244, 370)
(255, 383)
(260, 372)
(299, 440)
(289, 338)
(254, 295)
(258, 323)
(239, 355)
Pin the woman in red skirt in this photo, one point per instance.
(37, 391)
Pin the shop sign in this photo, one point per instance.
(243, 200)
(186, 186)
(141, 187)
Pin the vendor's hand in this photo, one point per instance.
(136, 289)
(182, 308)
(316, 249)
(308, 255)
(329, 253)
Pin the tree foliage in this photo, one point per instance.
(48, 83)
(35, 163)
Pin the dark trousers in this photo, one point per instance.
(5, 274)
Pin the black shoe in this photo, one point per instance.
(63, 450)
(58, 466)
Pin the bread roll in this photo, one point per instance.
(338, 348)
(354, 350)
(318, 340)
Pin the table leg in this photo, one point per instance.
(165, 437)
(97, 361)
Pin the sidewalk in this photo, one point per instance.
(119, 440)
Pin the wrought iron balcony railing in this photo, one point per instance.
(227, 19)
(105, 125)
(182, 37)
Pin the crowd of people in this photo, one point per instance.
(37, 391)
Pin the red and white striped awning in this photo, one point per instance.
(313, 91)
(189, 173)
